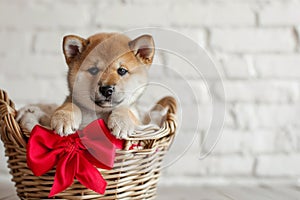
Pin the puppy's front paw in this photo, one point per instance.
(29, 116)
(120, 124)
(65, 122)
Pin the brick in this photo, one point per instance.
(264, 141)
(245, 116)
(158, 68)
(44, 16)
(228, 165)
(185, 150)
(238, 67)
(185, 142)
(266, 116)
(229, 118)
(259, 91)
(278, 165)
(200, 90)
(34, 78)
(278, 66)
(55, 91)
(212, 15)
(38, 90)
(238, 141)
(278, 116)
(188, 165)
(288, 140)
(25, 90)
(197, 35)
(176, 46)
(156, 89)
(177, 66)
(31, 66)
(13, 43)
(226, 137)
(129, 16)
(49, 42)
(253, 40)
(280, 14)
(193, 66)
(193, 117)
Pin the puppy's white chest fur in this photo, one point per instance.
(89, 116)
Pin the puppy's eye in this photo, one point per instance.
(93, 70)
(122, 71)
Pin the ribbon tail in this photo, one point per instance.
(100, 144)
(98, 163)
(90, 177)
(41, 156)
(65, 173)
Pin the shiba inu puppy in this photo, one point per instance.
(107, 74)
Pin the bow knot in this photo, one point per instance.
(74, 145)
(75, 156)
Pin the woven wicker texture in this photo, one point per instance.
(134, 176)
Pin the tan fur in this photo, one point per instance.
(33, 114)
(108, 52)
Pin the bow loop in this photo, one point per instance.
(74, 155)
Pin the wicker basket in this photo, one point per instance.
(134, 176)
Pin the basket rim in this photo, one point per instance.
(20, 135)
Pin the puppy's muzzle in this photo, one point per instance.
(107, 90)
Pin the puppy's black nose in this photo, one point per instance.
(107, 90)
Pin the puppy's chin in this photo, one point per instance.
(107, 104)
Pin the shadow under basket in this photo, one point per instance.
(134, 176)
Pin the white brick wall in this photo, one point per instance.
(238, 67)
(117, 15)
(280, 14)
(260, 91)
(38, 15)
(253, 40)
(255, 45)
(271, 66)
(278, 165)
(204, 14)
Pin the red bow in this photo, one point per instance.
(74, 155)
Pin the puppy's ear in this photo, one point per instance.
(143, 48)
(73, 47)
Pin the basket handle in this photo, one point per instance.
(166, 102)
(10, 130)
(171, 104)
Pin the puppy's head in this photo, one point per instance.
(107, 70)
